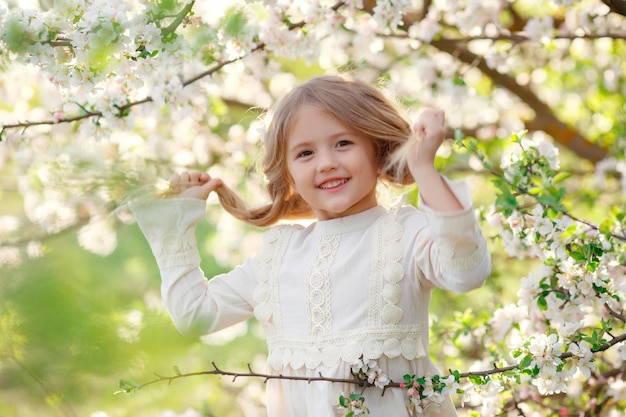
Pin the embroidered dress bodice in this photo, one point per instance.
(325, 294)
(351, 309)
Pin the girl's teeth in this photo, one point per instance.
(333, 184)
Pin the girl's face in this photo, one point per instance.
(331, 168)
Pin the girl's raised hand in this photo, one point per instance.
(429, 133)
(194, 184)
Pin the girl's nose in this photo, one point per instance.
(327, 161)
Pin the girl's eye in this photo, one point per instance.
(304, 154)
(343, 143)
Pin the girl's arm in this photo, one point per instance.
(451, 250)
(429, 134)
(197, 305)
(455, 256)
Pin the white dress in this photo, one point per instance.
(327, 294)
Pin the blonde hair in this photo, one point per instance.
(361, 107)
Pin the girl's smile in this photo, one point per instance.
(333, 184)
(331, 168)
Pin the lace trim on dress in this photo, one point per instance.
(314, 350)
(318, 286)
(266, 292)
(387, 271)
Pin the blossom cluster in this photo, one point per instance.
(569, 305)
(427, 393)
(365, 369)
(424, 393)
(353, 405)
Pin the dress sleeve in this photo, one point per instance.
(452, 252)
(197, 305)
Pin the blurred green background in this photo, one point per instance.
(72, 324)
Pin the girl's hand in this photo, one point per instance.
(429, 133)
(194, 184)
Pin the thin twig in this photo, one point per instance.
(364, 383)
(619, 316)
(64, 407)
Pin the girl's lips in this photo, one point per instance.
(333, 183)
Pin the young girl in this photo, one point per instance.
(356, 283)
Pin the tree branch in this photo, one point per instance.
(619, 316)
(235, 375)
(544, 120)
(64, 406)
(129, 386)
(616, 6)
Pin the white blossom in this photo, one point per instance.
(539, 29)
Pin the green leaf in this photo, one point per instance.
(476, 379)
(578, 256)
(507, 203)
(127, 386)
(234, 22)
(457, 375)
(618, 214)
(525, 363)
(606, 227)
(458, 136)
(517, 137)
(542, 303)
(15, 36)
(561, 176)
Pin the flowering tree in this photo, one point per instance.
(102, 99)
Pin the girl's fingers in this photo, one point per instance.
(199, 177)
(174, 183)
(193, 184)
(188, 179)
(213, 184)
(202, 190)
